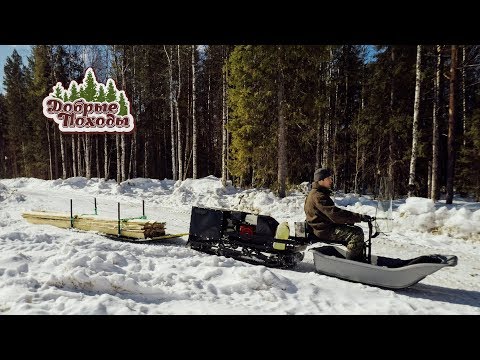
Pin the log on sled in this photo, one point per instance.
(126, 228)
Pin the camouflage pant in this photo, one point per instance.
(351, 236)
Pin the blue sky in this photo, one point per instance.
(6, 51)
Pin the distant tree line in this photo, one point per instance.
(263, 116)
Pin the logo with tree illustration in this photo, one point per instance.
(90, 107)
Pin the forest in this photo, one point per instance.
(405, 118)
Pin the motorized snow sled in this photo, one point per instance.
(260, 239)
(248, 237)
(385, 272)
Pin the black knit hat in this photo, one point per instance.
(321, 174)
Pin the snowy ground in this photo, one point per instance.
(47, 270)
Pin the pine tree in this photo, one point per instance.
(101, 96)
(42, 159)
(253, 95)
(74, 91)
(90, 86)
(123, 104)
(18, 131)
(111, 91)
(58, 91)
(3, 131)
(81, 91)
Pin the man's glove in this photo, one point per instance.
(366, 218)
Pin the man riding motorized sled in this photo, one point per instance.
(329, 223)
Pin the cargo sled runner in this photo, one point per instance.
(385, 272)
(244, 236)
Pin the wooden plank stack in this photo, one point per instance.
(132, 228)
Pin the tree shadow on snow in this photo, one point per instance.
(178, 241)
(439, 293)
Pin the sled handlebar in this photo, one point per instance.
(368, 243)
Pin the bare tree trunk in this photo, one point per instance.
(318, 149)
(97, 159)
(15, 164)
(88, 145)
(165, 146)
(79, 155)
(49, 150)
(177, 111)
(132, 167)
(123, 145)
(145, 162)
(282, 139)
(451, 128)
(416, 107)
(429, 179)
(226, 124)
(436, 119)
(120, 139)
(172, 121)
(55, 78)
(326, 155)
(333, 127)
(318, 145)
(224, 121)
(62, 151)
(55, 153)
(363, 172)
(186, 159)
(25, 164)
(347, 137)
(106, 158)
(135, 162)
(119, 159)
(124, 154)
(357, 154)
(136, 101)
(334, 153)
(74, 157)
(391, 140)
(194, 119)
(464, 100)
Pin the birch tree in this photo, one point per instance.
(224, 117)
(391, 136)
(464, 97)
(194, 120)
(435, 126)
(282, 139)
(177, 112)
(451, 127)
(172, 121)
(327, 152)
(416, 107)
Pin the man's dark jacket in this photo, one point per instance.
(322, 214)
